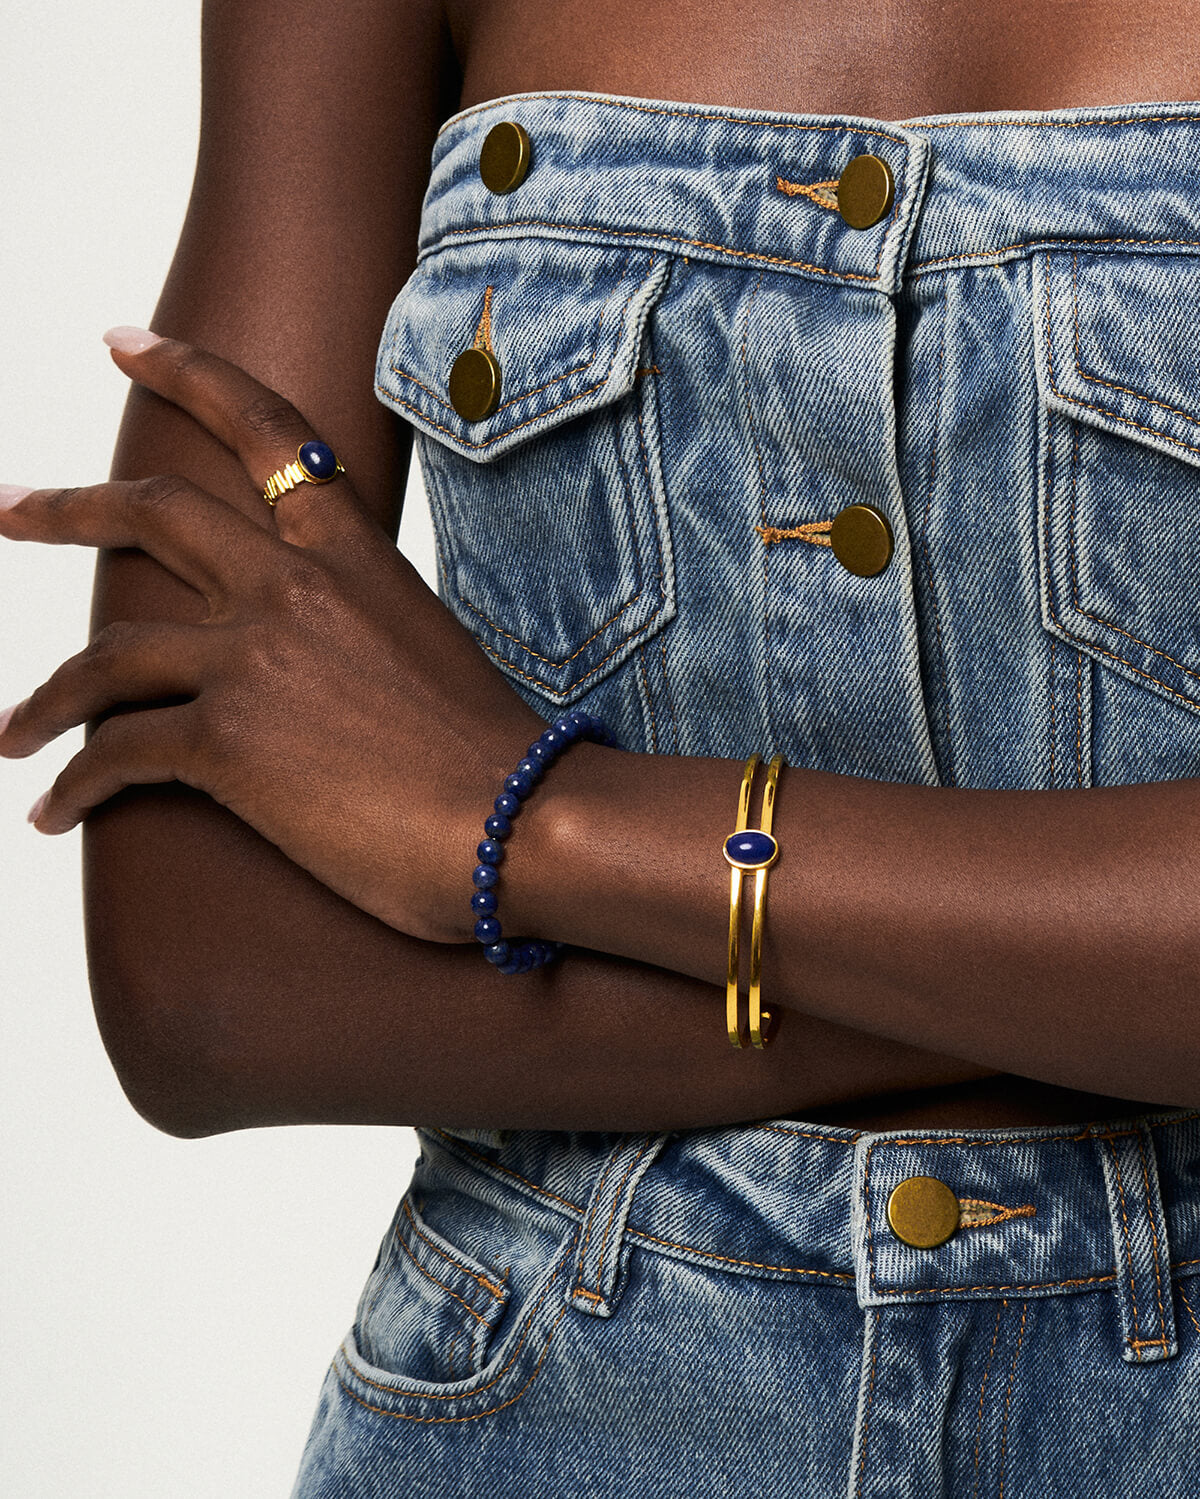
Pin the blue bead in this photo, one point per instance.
(487, 929)
(583, 720)
(507, 804)
(484, 877)
(567, 727)
(490, 852)
(484, 902)
(751, 850)
(497, 826)
(539, 752)
(316, 459)
(553, 741)
(520, 785)
(530, 767)
(498, 953)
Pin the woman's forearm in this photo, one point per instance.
(233, 990)
(1055, 935)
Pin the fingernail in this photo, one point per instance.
(35, 810)
(131, 340)
(11, 493)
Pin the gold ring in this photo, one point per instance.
(315, 464)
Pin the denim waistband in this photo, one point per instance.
(1044, 1211)
(736, 185)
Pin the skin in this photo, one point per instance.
(258, 951)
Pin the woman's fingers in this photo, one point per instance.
(204, 541)
(255, 422)
(125, 663)
(129, 749)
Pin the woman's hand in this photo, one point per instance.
(329, 698)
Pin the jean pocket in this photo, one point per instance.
(451, 1327)
(1119, 540)
(549, 512)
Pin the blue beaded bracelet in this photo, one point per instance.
(520, 957)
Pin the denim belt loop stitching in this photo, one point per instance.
(596, 1281)
(1141, 1248)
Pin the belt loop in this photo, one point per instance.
(596, 1284)
(1143, 1255)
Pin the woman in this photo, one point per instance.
(958, 1191)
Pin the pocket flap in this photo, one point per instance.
(563, 321)
(1118, 345)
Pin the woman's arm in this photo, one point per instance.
(1051, 934)
(231, 987)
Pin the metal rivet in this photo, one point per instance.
(504, 157)
(475, 384)
(865, 191)
(923, 1212)
(861, 540)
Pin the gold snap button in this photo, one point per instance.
(861, 540)
(865, 191)
(475, 384)
(504, 157)
(923, 1212)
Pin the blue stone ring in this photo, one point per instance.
(315, 464)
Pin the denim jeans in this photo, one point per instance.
(701, 366)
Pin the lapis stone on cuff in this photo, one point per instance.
(751, 849)
(317, 461)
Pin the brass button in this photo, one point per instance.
(865, 191)
(475, 384)
(923, 1212)
(861, 540)
(504, 157)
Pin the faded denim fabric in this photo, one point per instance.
(702, 364)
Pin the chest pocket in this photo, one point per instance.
(549, 511)
(1119, 521)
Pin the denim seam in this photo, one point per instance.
(1047, 242)
(1052, 690)
(450, 236)
(1008, 1397)
(987, 1369)
(662, 646)
(1112, 385)
(649, 700)
(866, 1423)
(1079, 718)
(1188, 1305)
(467, 1394)
(937, 623)
(762, 493)
(566, 374)
(957, 124)
(658, 109)
(1031, 1285)
(495, 1291)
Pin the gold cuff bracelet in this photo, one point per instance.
(750, 849)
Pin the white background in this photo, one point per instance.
(169, 1306)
